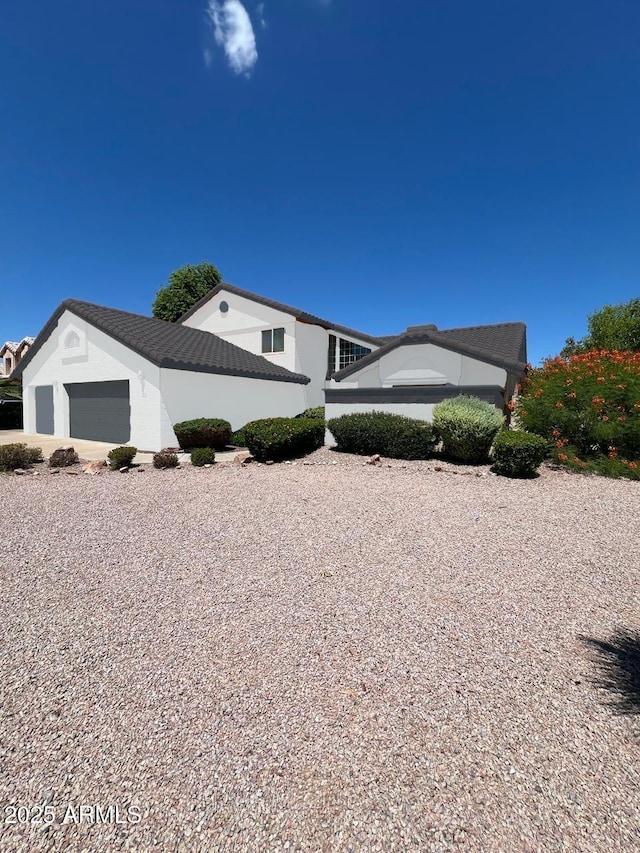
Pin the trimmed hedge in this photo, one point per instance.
(121, 457)
(283, 438)
(394, 436)
(316, 412)
(165, 459)
(14, 456)
(203, 432)
(467, 427)
(518, 454)
(201, 456)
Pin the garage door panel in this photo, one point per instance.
(100, 411)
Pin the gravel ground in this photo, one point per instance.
(326, 657)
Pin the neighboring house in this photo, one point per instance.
(12, 353)
(104, 374)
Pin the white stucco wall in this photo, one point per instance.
(305, 345)
(235, 399)
(455, 369)
(98, 358)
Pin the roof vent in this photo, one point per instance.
(430, 327)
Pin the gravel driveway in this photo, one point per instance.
(316, 658)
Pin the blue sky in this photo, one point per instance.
(432, 161)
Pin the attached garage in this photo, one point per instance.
(105, 375)
(100, 411)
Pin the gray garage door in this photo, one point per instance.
(44, 409)
(100, 411)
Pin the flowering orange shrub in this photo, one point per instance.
(588, 405)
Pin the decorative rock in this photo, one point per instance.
(68, 448)
(438, 468)
(19, 471)
(269, 462)
(54, 471)
(243, 458)
(94, 467)
(124, 469)
(73, 473)
(140, 470)
(207, 465)
(373, 460)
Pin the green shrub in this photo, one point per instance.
(467, 427)
(165, 459)
(202, 456)
(121, 457)
(610, 465)
(14, 456)
(239, 438)
(203, 432)
(316, 412)
(63, 457)
(590, 402)
(518, 454)
(394, 436)
(283, 438)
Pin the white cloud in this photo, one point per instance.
(260, 14)
(233, 32)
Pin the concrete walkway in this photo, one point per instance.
(89, 450)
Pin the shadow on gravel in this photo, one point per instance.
(618, 662)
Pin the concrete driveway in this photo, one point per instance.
(89, 450)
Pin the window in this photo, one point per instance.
(273, 340)
(350, 352)
(331, 356)
(224, 307)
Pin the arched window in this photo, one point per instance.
(72, 340)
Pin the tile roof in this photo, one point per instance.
(168, 345)
(279, 306)
(502, 344)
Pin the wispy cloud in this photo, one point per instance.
(233, 32)
(260, 15)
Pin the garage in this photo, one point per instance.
(44, 409)
(100, 411)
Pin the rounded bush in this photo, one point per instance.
(394, 436)
(165, 459)
(14, 456)
(283, 438)
(467, 427)
(121, 457)
(203, 432)
(518, 454)
(202, 456)
(316, 412)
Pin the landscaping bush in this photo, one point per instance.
(283, 438)
(63, 457)
(518, 454)
(14, 456)
(394, 436)
(121, 457)
(165, 459)
(467, 427)
(203, 432)
(587, 404)
(316, 412)
(202, 456)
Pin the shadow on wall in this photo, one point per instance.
(618, 662)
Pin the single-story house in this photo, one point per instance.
(104, 374)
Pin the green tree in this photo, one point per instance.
(186, 286)
(10, 389)
(614, 327)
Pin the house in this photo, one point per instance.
(11, 354)
(104, 374)
(414, 371)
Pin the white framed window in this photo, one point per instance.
(350, 352)
(273, 340)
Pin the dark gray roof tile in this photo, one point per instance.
(169, 345)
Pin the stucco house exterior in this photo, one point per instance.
(104, 374)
